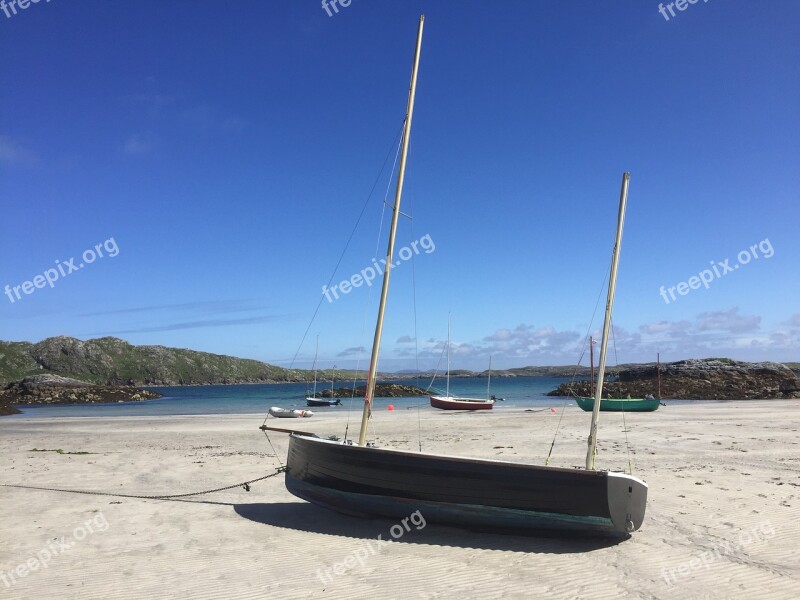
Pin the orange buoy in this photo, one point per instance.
(390, 407)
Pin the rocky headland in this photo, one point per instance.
(382, 390)
(53, 389)
(696, 379)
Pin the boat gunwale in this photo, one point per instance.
(467, 459)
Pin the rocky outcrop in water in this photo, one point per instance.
(697, 379)
(53, 389)
(6, 408)
(382, 390)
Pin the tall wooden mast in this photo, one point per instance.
(376, 342)
(591, 453)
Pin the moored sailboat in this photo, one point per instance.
(619, 404)
(312, 400)
(367, 481)
(332, 401)
(448, 402)
(647, 404)
(323, 402)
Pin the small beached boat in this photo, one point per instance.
(286, 413)
(647, 404)
(312, 400)
(620, 404)
(323, 401)
(448, 402)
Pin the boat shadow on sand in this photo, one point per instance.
(301, 516)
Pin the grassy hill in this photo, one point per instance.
(111, 361)
(16, 361)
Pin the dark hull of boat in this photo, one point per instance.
(320, 402)
(446, 403)
(473, 493)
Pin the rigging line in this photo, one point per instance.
(436, 370)
(553, 443)
(624, 424)
(360, 353)
(386, 195)
(627, 448)
(575, 372)
(277, 457)
(369, 292)
(347, 244)
(416, 336)
(589, 328)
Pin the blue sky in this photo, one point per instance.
(228, 149)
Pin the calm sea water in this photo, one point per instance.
(257, 398)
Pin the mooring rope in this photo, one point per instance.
(244, 484)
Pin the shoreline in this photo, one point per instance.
(333, 411)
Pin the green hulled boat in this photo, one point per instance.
(620, 404)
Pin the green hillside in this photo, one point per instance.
(111, 361)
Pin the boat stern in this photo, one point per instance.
(627, 501)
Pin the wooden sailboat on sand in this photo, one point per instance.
(366, 481)
(312, 400)
(448, 402)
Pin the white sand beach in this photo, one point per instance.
(722, 518)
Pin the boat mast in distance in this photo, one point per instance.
(591, 453)
(489, 380)
(447, 388)
(376, 342)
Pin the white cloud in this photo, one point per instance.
(355, 350)
(665, 327)
(727, 320)
(500, 335)
(794, 321)
(715, 333)
(526, 340)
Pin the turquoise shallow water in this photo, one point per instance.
(257, 398)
